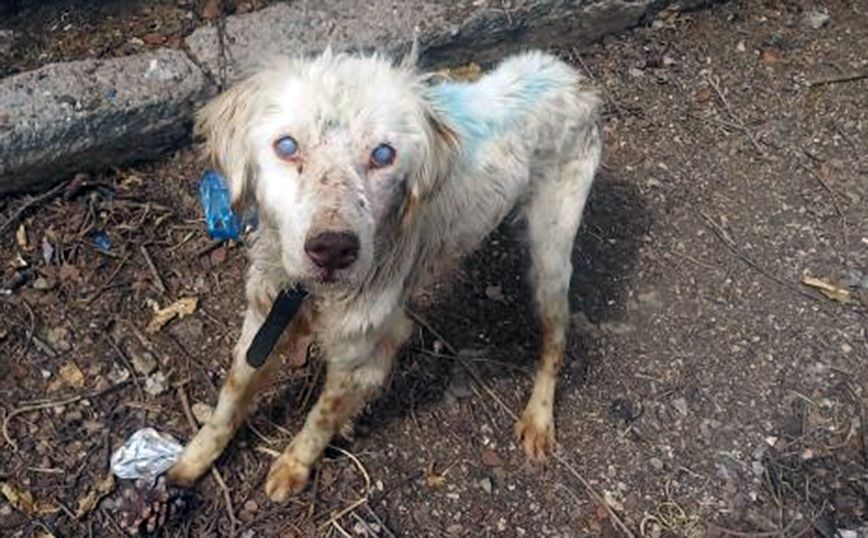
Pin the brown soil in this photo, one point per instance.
(708, 389)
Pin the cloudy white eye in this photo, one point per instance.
(382, 156)
(286, 148)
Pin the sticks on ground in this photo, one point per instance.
(33, 202)
(597, 498)
(227, 497)
(725, 238)
(737, 122)
(48, 405)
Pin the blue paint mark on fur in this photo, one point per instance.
(482, 111)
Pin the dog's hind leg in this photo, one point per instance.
(242, 384)
(553, 215)
(350, 384)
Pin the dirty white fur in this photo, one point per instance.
(523, 136)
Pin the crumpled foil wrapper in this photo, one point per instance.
(146, 454)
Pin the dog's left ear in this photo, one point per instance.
(224, 123)
(437, 161)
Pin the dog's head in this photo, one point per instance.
(335, 152)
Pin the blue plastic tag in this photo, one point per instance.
(222, 221)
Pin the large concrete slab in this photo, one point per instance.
(452, 31)
(93, 114)
(77, 116)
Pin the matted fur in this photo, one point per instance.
(522, 137)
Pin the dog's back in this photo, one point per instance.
(516, 126)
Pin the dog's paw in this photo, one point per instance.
(184, 474)
(536, 432)
(286, 478)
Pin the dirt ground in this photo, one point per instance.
(709, 391)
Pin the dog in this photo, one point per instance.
(367, 175)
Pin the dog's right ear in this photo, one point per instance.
(224, 124)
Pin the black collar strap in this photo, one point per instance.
(285, 307)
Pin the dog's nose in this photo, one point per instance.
(332, 250)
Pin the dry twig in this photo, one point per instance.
(105, 285)
(725, 238)
(836, 80)
(227, 497)
(594, 495)
(33, 202)
(418, 319)
(158, 281)
(738, 123)
(49, 404)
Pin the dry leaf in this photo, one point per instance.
(21, 237)
(464, 73)
(180, 308)
(433, 478)
(836, 293)
(19, 498)
(87, 503)
(69, 375)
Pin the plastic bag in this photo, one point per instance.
(146, 454)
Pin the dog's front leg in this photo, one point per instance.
(235, 396)
(351, 382)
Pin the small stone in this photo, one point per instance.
(251, 506)
(189, 330)
(58, 339)
(118, 374)
(656, 464)
(491, 458)
(218, 256)
(143, 361)
(680, 405)
(495, 293)
(202, 412)
(485, 484)
(154, 40)
(817, 18)
(740, 47)
(635, 72)
(156, 384)
(43, 284)
(212, 10)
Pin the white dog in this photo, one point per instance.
(365, 175)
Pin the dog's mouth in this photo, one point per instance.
(325, 276)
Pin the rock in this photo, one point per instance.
(118, 374)
(144, 362)
(156, 384)
(495, 293)
(449, 32)
(485, 484)
(189, 330)
(44, 284)
(460, 385)
(491, 458)
(58, 339)
(202, 412)
(7, 42)
(66, 117)
(817, 17)
(680, 405)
